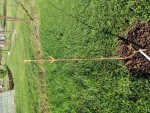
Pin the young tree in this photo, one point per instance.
(14, 19)
(8, 4)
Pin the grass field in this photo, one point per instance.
(77, 29)
(25, 75)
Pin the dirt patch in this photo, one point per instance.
(11, 81)
(140, 35)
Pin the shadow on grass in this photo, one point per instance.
(140, 76)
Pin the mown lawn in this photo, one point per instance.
(25, 74)
(77, 29)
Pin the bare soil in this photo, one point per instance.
(140, 35)
(11, 81)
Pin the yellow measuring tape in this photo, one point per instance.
(52, 60)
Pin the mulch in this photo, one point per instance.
(140, 34)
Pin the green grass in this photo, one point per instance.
(71, 29)
(25, 74)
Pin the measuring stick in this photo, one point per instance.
(144, 54)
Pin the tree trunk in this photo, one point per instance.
(14, 19)
(8, 4)
(4, 31)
